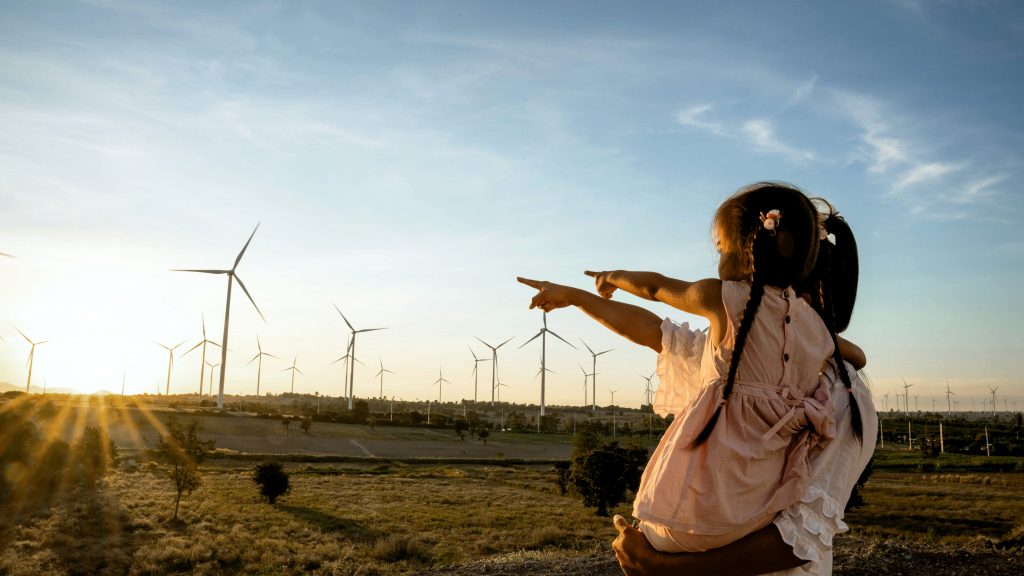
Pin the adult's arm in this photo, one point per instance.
(762, 552)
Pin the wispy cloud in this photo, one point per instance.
(924, 173)
(761, 133)
(802, 91)
(979, 189)
(695, 116)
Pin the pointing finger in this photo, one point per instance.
(530, 283)
(591, 274)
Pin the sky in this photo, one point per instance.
(406, 161)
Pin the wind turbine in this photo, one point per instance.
(886, 401)
(543, 334)
(202, 366)
(585, 377)
(212, 366)
(439, 384)
(31, 357)
(594, 370)
(381, 374)
(125, 375)
(259, 367)
(476, 374)
(352, 352)
(948, 394)
(613, 396)
(906, 396)
(294, 370)
(170, 362)
(494, 366)
(915, 402)
(543, 369)
(345, 360)
(648, 391)
(227, 311)
(993, 390)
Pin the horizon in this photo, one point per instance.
(406, 163)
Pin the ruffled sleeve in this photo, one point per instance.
(678, 367)
(808, 527)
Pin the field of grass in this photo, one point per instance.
(345, 520)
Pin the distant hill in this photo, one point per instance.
(5, 387)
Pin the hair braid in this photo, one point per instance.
(830, 322)
(749, 311)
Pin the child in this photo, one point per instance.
(736, 453)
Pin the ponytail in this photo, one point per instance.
(749, 311)
(829, 316)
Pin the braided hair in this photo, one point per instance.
(832, 286)
(780, 257)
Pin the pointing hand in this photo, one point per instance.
(549, 296)
(604, 286)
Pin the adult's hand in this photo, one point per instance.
(603, 283)
(549, 296)
(630, 547)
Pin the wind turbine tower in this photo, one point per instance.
(993, 391)
(585, 378)
(649, 392)
(352, 352)
(476, 374)
(440, 383)
(170, 363)
(232, 277)
(494, 366)
(31, 356)
(202, 366)
(259, 366)
(594, 369)
(948, 394)
(124, 376)
(381, 374)
(543, 356)
(294, 370)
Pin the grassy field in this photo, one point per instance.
(347, 520)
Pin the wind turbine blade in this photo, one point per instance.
(287, 369)
(160, 345)
(182, 342)
(299, 371)
(503, 343)
(43, 342)
(239, 259)
(239, 280)
(471, 352)
(212, 343)
(8, 255)
(389, 371)
(203, 271)
(343, 317)
(191, 349)
(23, 336)
(271, 355)
(378, 373)
(443, 380)
(588, 347)
(339, 359)
(484, 343)
(370, 330)
(250, 361)
(584, 371)
(605, 352)
(357, 360)
(531, 339)
(562, 339)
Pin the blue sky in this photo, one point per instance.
(408, 160)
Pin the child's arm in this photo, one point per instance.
(632, 322)
(852, 353)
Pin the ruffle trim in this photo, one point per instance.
(809, 525)
(679, 367)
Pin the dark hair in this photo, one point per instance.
(832, 287)
(781, 257)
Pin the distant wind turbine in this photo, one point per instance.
(352, 352)
(202, 365)
(915, 402)
(613, 395)
(8, 255)
(212, 366)
(585, 377)
(948, 394)
(124, 376)
(345, 360)
(543, 334)
(476, 373)
(906, 396)
(381, 374)
(31, 357)
(594, 369)
(170, 363)
(494, 366)
(543, 369)
(227, 311)
(886, 401)
(439, 383)
(648, 392)
(993, 391)
(294, 370)
(259, 366)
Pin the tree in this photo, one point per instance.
(94, 454)
(360, 411)
(272, 480)
(306, 423)
(602, 475)
(183, 451)
(584, 441)
(461, 424)
(549, 423)
(483, 434)
(373, 421)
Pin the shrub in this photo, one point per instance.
(547, 536)
(305, 425)
(604, 474)
(183, 451)
(272, 480)
(94, 454)
(396, 547)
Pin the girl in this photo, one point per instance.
(737, 452)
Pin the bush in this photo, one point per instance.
(272, 480)
(396, 547)
(602, 475)
(94, 454)
(183, 451)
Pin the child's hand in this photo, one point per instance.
(604, 287)
(550, 296)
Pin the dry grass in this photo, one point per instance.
(409, 518)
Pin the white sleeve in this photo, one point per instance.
(678, 367)
(809, 525)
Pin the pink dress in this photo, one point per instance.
(755, 464)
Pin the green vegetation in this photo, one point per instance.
(272, 481)
(183, 452)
